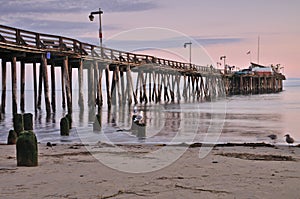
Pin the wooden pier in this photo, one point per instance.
(157, 79)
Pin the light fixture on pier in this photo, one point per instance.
(91, 17)
(224, 58)
(185, 46)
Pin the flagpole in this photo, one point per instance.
(249, 53)
(258, 45)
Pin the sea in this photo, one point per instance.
(234, 119)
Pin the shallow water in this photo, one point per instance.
(243, 118)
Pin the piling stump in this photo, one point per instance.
(134, 126)
(97, 123)
(27, 150)
(69, 117)
(64, 127)
(12, 137)
(141, 131)
(18, 123)
(28, 121)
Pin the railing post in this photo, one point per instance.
(60, 43)
(18, 40)
(37, 40)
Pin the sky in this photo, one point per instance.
(217, 27)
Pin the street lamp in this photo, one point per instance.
(224, 58)
(190, 44)
(91, 17)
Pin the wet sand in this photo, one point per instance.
(70, 171)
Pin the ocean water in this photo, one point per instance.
(239, 119)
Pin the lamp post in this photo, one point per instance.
(190, 44)
(91, 17)
(224, 58)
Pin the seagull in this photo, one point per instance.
(139, 117)
(289, 139)
(272, 136)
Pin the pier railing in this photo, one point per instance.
(17, 39)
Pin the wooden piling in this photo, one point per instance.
(100, 97)
(22, 73)
(80, 84)
(64, 127)
(108, 96)
(46, 85)
(63, 93)
(39, 101)
(96, 82)
(34, 87)
(12, 137)
(122, 89)
(53, 99)
(128, 87)
(3, 96)
(67, 84)
(70, 70)
(113, 89)
(118, 82)
(28, 121)
(27, 150)
(91, 88)
(18, 123)
(14, 85)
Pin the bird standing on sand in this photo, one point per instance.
(289, 139)
(273, 137)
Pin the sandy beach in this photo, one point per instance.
(70, 171)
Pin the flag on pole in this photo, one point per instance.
(248, 52)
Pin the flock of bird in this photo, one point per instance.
(288, 138)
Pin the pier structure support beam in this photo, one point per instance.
(3, 95)
(80, 84)
(67, 83)
(34, 87)
(108, 96)
(63, 93)
(14, 85)
(99, 87)
(46, 85)
(91, 86)
(53, 98)
(39, 101)
(22, 86)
